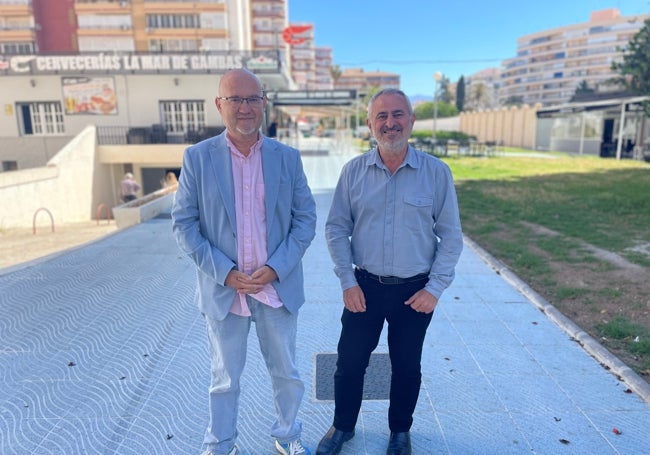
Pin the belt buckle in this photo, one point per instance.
(388, 279)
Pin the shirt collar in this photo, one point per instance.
(411, 159)
(254, 149)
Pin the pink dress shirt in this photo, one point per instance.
(250, 213)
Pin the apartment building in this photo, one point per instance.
(269, 19)
(323, 66)
(362, 81)
(303, 56)
(550, 64)
(46, 26)
(482, 88)
(139, 70)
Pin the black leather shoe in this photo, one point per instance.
(332, 442)
(399, 444)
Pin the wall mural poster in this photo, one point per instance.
(89, 95)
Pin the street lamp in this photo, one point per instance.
(437, 77)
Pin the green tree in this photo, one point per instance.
(514, 100)
(363, 107)
(460, 94)
(425, 110)
(634, 69)
(582, 89)
(447, 110)
(335, 73)
(444, 94)
(478, 97)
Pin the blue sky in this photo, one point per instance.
(415, 38)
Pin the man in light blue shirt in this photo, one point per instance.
(395, 237)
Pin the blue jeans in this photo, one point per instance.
(227, 339)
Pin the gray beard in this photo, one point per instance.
(393, 148)
(247, 132)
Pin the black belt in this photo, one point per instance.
(392, 279)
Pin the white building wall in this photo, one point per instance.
(64, 187)
(239, 24)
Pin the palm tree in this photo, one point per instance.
(479, 97)
(335, 72)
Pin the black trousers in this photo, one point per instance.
(359, 337)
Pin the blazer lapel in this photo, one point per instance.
(271, 165)
(221, 165)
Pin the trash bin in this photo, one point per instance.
(137, 136)
(158, 134)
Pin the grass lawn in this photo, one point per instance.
(576, 229)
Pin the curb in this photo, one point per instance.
(608, 360)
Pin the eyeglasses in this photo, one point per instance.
(236, 101)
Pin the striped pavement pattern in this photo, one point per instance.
(102, 351)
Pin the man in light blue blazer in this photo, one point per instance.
(245, 215)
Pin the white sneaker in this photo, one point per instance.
(232, 451)
(292, 448)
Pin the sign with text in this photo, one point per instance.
(89, 95)
(312, 97)
(106, 63)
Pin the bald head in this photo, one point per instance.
(238, 77)
(242, 104)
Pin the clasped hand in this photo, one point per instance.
(253, 283)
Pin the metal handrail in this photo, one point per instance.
(99, 210)
(42, 209)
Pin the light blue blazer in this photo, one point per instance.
(203, 220)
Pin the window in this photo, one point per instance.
(213, 21)
(111, 21)
(183, 116)
(173, 45)
(16, 23)
(40, 118)
(598, 29)
(9, 165)
(541, 39)
(214, 44)
(97, 43)
(172, 21)
(17, 48)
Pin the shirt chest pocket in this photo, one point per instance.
(418, 212)
(418, 201)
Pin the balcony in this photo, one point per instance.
(268, 13)
(103, 6)
(154, 134)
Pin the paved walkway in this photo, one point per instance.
(102, 351)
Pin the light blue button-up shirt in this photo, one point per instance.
(400, 225)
